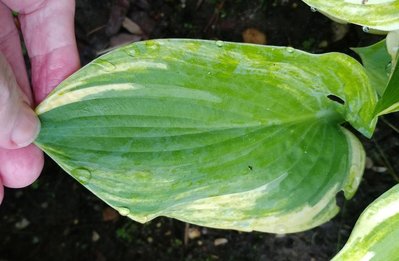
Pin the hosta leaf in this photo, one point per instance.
(377, 14)
(376, 233)
(377, 62)
(218, 134)
(389, 102)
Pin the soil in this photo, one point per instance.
(58, 219)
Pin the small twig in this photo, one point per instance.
(186, 231)
(98, 28)
(386, 162)
(339, 239)
(215, 15)
(390, 124)
(199, 3)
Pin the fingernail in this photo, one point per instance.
(26, 127)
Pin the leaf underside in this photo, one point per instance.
(376, 14)
(376, 233)
(377, 62)
(219, 134)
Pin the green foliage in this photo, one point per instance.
(230, 135)
(127, 232)
(377, 63)
(390, 100)
(376, 14)
(225, 135)
(376, 233)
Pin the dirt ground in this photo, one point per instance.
(57, 219)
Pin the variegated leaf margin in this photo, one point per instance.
(376, 233)
(376, 14)
(226, 135)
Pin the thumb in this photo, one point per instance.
(19, 125)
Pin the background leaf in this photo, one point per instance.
(389, 102)
(376, 233)
(377, 61)
(219, 134)
(377, 14)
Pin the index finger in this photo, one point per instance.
(48, 29)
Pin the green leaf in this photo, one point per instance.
(376, 14)
(376, 233)
(389, 102)
(376, 60)
(218, 134)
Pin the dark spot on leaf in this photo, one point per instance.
(336, 99)
(250, 168)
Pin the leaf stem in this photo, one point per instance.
(342, 216)
(390, 125)
(386, 162)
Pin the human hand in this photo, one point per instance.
(48, 30)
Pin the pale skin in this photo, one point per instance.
(47, 27)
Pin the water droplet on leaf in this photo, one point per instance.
(83, 175)
(366, 29)
(106, 65)
(388, 68)
(313, 9)
(290, 49)
(131, 52)
(219, 43)
(281, 230)
(143, 175)
(123, 211)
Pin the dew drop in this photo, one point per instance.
(123, 211)
(145, 219)
(290, 49)
(131, 52)
(365, 29)
(281, 230)
(83, 175)
(357, 181)
(143, 175)
(388, 68)
(106, 65)
(219, 43)
(313, 9)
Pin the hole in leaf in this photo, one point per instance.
(340, 199)
(335, 98)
